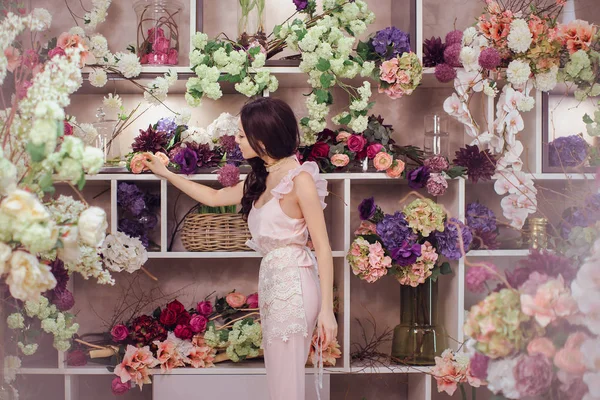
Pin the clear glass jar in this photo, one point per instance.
(158, 31)
(436, 136)
(251, 22)
(107, 140)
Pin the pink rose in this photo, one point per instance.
(172, 57)
(183, 332)
(119, 332)
(356, 143)
(382, 161)
(394, 92)
(252, 300)
(68, 130)
(388, 70)
(343, 136)
(137, 163)
(198, 323)
(144, 59)
(164, 159)
(204, 308)
(373, 149)
(157, 58)
(396, 169)
(57, 51)
(119, 387)
(340, 160)
(541, 345)
(235, 300)
(155, 33)
(161, 45)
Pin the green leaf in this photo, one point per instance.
(276, 30)
(81, 182)
(348, 63)
(445, 268)
(36, 152)
(326, 80)
(346, 120)
(323, 65)
(587, 119)
(254, 51)
(46, 183)
(304, 121)
(456, 171)
(350, 32)
(323, 96)
(363, 50)
(156, 313)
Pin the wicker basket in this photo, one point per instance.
(215, 232)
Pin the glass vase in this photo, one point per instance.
(107, 140)
(419, 337)
(158, 31)
(436, 136)
(251, 22)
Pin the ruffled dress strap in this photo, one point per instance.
(287, 182)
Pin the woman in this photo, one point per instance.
(283, 201)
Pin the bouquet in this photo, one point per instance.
(407, 244)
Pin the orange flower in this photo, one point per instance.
(577, 35)
(396, 169)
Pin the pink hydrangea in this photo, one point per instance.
(477, 276)
(552, 300)
(368, 261)
(436, 185)
(445, 73)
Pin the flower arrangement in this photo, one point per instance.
(199, 337)
(407, 244)
(188, 148)
(158, 33)
(137, 217)
(520, 43)
(452, 370)
(325, 41)
(568, 151)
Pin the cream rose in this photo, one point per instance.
(5, 252)
(24, 206)
(27, 278)
(92, 226)
(69, 252)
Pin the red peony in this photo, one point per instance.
(176, 306)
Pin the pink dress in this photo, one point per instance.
(288, 289)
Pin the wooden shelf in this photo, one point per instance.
(221, 254)
(499, 253)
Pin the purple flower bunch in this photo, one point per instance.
(138, 211)
(447, 241)
(568, 151)
(482, 222)
(391, 42)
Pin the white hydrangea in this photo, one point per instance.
(199, 40)
(12, 365)
(518, 72)
(197, 135)
(128, 64)
(273, 84)
(469, 35)
(98, 77)
(99, 46)
(547, 81)
(15, 321)
(259, 60)
(37, 238)
(526, 103)
(367, 68)
(93, 160)
(225, 125)
(89, 265)
(42, 15)
(359, 124)
(520, 37)
(28, 349)
(123, 253)
(183, 117)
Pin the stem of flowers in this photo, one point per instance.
(154, 278)
(235, 320)
(242, 310)
(463, 393)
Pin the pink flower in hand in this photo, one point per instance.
(137, 165)
(164, 159)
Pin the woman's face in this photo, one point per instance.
(242, 141)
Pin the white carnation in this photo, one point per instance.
(469, 35)
(520, 37)
(129, 65)
(546, 81)
(518, 72)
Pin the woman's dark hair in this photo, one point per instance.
(271, 122)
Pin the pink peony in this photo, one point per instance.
(388, 70)
(235, 300)
(551, 301)
(119, 333)
(161, 45)
(356, 143)
(340, 160)
(119, 387)
(396, 170)
(541, 345)
(135, 365)
(252, 300)
(373, 149)
(343, 136)
(533, 375)
(382, 161)
(204, 308)
(198, 323)
(436, 185)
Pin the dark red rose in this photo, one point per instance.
(356, 143)
(319, 150)
(204, 308)
(183, 318)
(176, 306)
(76, 358)
(183, 332)
(168, 317)
(119, 332)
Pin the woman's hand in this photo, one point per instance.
(155, 165)
(327, 325)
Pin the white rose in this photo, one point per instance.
(93, 160)
(24, 206)
(69, 252)
(5, 252)
(28, 279)
(92, 226)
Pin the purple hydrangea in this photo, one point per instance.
(130, 198)
(418, 177)
(448, 242)
(167, 125)
(300, 4)
(187, 159)
(406, 254)
(568, 151)
(391, 42)
(367, 208)
(480, 218)
(445, 73)
(148, 220)
(394, 230)
(134, 229)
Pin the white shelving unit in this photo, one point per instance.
(341, 215)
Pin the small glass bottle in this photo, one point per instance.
(436, 136)
(538, 235)
(106, 139)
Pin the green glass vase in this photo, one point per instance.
(419, 337)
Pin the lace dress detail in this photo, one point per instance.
(281, 240)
